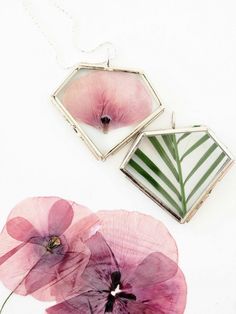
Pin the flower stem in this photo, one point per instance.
(5, 302)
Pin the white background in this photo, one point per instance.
(188, 50)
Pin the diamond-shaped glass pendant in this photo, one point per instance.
(106, 106)
(177, 168)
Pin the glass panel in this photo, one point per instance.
(108, 105)
(177, 168)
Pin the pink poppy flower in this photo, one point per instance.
(108, 100)
(131, 284)
(44, 239)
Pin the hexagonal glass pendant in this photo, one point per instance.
(177, 168)
(107, 106)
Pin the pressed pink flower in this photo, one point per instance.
(155, 286)
(131, 270)
(44, 240)
(108, 100)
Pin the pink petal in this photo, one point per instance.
(60, 217)
(76, 259)
(155, 268)
(21, 229)
(102, 264)
(17, 266)
(7, 255)
(140, 308)
(96, 275)
(159, 280)
(169, 296)
(69, 279)
(82, 304)
(84, 228)
(132, 236)
(46, 270)
(131, 308)
(36, 211)
(65, 308)
(119, 96)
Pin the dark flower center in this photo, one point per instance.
(105, 120)
(53, 243)
(116, 292)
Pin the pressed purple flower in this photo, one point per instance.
(131, 284)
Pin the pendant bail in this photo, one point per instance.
(173, 120)
(108, 62)
(111, 52)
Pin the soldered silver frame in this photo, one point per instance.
(78, 129)
(191, 212)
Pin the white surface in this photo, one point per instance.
(188, 50)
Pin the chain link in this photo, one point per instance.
(110, 49)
